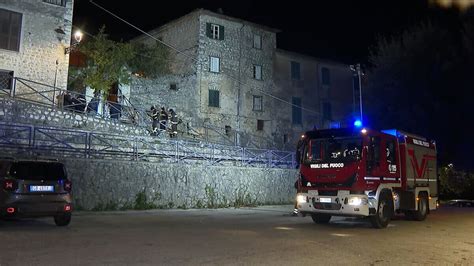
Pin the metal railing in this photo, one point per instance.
(62, 99)
(124, 111)
(17, 139)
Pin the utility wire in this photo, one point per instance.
(194, 59)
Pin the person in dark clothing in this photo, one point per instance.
(67, 102)
(115, 110)
(93, 105)
(79, 103)
(163, 117)
(174, 123)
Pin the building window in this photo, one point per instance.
(10, 30)
(227, 130)
(257, 103)
(325, 76)
(213, 98)
(260, 124)
(214, 66)
(215, 31)
(327, 111)
(257, 72)
(257, 41)
(173, 87)
(56, 2)
(295, 70)
(6, 81)
(296, 111)
(285, 138)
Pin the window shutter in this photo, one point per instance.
(208, 30)
(221, 32)
(326, 78)
(213, 98)
(296, 111)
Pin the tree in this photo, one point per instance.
(455, 184)
(418, 82)
(110, 62)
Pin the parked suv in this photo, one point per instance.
(35, 188)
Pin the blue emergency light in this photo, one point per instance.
(357, 123)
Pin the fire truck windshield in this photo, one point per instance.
(333, 150)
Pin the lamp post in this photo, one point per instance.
(76, 41)
(355, 68)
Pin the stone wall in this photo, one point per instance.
(109, 184)
(147, 92)
(41, 56)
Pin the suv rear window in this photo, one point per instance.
(37, 171)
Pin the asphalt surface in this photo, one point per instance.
(266, 235)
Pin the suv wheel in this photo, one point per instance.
(62, 219)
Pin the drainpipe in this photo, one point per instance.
(55, 81)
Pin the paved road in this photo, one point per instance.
(256, 236)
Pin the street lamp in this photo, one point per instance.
(77, 39)
(355, 68)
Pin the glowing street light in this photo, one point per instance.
(77, 39)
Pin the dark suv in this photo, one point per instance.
(35, 188)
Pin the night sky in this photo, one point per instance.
(338, 30)
(343, 31)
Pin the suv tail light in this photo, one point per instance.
(10, 185)
(68, 186)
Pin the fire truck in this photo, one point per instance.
(366, 173)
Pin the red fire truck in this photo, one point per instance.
(366, 173)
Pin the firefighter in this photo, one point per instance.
(154, 118)
(174, 123)
(163, 117)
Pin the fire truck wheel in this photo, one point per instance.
(384, 212)
(422, 211)
(321, 218)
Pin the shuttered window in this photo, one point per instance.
(257, 72)
(325, 76)
(257, 41)
(56, 2)
(295, 70)
(214, 65)
(296, 111)
(10, 30)
(213, 98)
(260, 124)
(257, 103)
(215, 31)
(327, 113)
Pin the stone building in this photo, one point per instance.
(222, 76)
(34, 36)
(319, 90)
(229, 78)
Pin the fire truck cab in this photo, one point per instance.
(366, 173)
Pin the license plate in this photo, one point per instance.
(325, 200)
(34, 188)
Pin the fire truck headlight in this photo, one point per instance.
(301, 199)
(357, 201)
